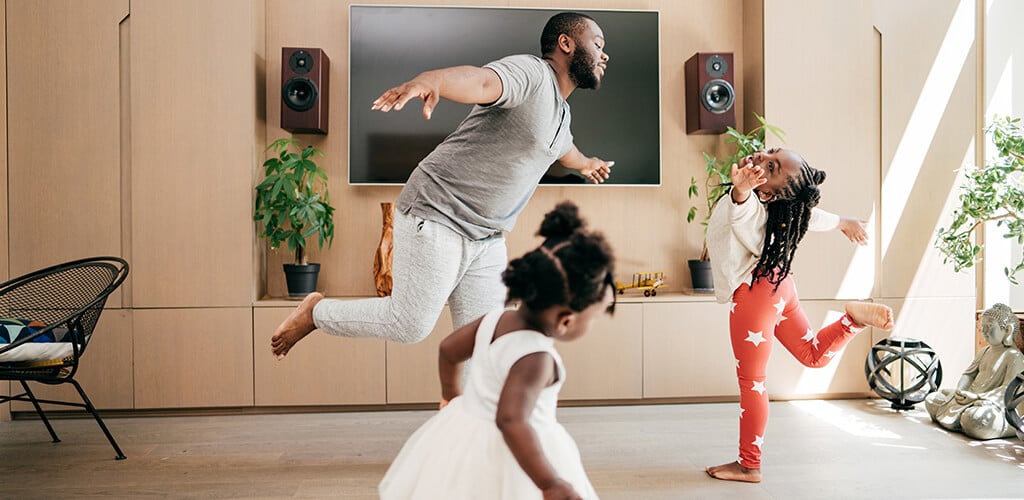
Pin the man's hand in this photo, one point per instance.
(462, 84)
(395, 98)
(597, 170)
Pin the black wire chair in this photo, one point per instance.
(67, 299)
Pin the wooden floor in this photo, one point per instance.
(845, 449)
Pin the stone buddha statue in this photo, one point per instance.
(976, 406)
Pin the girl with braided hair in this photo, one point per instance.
(752, 243)
(500, 439)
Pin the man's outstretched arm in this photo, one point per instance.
(462, 84)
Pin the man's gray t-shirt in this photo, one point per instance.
(483, 174)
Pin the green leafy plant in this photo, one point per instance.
(994, 192)
(292, 201)
(718, 171)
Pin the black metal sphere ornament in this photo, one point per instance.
(903, 371)
(1014, 400)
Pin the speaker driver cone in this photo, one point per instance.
(716, 66)
(717, 96)
(299, 94)
(300, 61)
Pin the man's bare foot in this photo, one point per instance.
(733, 471)
(870, 314)
(298, 325)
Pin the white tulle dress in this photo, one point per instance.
(460, 453)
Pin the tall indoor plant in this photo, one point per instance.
(717, 181)
(293, 204)
(994, 192)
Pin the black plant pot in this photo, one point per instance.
(301, 278)
(700, 273)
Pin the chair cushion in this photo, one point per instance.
(54, 344)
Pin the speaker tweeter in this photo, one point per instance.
(710, 95)
(305, 74)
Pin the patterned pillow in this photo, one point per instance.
(54, 344)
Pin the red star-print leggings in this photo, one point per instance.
(760, 313)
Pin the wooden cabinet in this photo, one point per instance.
(208, 358)
(687, 351)
(320, 370)
(604, 364)
(607, 362)
(673, 368)
(193, 358)
(105, 370)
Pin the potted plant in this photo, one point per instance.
(994, 192)
(293, 204)
(716, 184)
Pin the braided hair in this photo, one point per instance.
(573, 267)
(789, 213)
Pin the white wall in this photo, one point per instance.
(1004, 95)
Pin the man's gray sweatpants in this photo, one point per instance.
(431, 264)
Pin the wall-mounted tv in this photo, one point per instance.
(389, 45)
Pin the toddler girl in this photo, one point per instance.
(500, 439)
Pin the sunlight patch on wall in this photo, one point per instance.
(845, 421)
(925, 282)
(999, 252)
(924, 120)
(860, 274)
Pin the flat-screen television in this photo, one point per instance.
(389, 45)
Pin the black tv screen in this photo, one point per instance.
(389, 45)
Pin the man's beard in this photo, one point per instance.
(581, 70)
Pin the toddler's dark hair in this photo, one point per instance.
(573, 267)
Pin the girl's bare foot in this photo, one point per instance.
(733, 471)
(870, 314)
(298, 325)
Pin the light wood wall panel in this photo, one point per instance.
(830, 113)
(63, 131)
(188, 358)
(4, 243)
(320, 370)
(928, 87)
(753, 64)
(194, 80)
(5, 409)
(105, 370)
